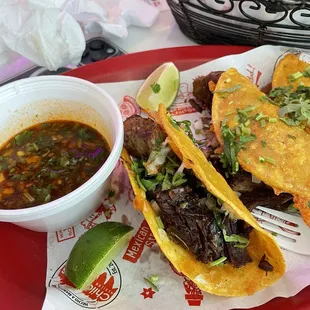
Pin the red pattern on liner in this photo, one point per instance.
(101, 289)
(182, 111)
(147, 293)
(254, 75)
(65, 234)
(91, 222)
(129, 107)
(193, 294)
(143, 237)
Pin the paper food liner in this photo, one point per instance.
(121, 285)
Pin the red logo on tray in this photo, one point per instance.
(143, 237)
(129, 107)
(92, 220)
(253, 74)
(193, 294)
(65, 234)
(101, 293)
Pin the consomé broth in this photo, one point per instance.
(48, 161)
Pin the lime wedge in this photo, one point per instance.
(160, 87)
(94, 250)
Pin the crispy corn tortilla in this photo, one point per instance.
(222, 280)
(290, 64)
(291, 171)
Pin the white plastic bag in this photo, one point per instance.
(50, 32)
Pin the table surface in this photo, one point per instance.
(23, 258)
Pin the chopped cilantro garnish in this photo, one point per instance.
(151, 284)
(218, 261)
(23, 137)
(293, 77)
(264, 143)
(111, 193)
(247, 139)
(246, 130)
(294, 105)
(229, 90)
(249, 109)
(289, 121)
(84, 134)
(186, 126)
(166, 182)
(265, 98)
(160, 177)
(266, 159)
(291, 137)
(235, 238)
(53, 175)
(272, 120)
(159, 222)
(138, 179)
(178, 179)
(262, 123)
(173, 122)
(234, 141)
(260, 116)
(306, 73)
(149, 185)
(153, 278)
(155, 88)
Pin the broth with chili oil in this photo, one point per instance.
(48, 161)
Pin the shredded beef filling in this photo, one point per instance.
(202, 92)
(187, 218)
(183, 209)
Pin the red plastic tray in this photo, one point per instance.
(23, 252)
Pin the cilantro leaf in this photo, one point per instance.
(178, 179)
(23, 137)
(230, 89)
(155, 88)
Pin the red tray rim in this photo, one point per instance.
(122, 68)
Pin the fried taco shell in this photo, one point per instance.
(287, 146)
(287, 67)
(224, 280)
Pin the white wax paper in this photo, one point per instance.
(121, 285)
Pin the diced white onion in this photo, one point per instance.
(155, 206)
(181, 168)
(255, 179)
(201, 279)
(238, 194)
(163, 235)
(198, 125)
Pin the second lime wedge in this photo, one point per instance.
(94, 250)
(160, 87)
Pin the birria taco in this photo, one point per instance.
(268, 135)
(198, 221)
